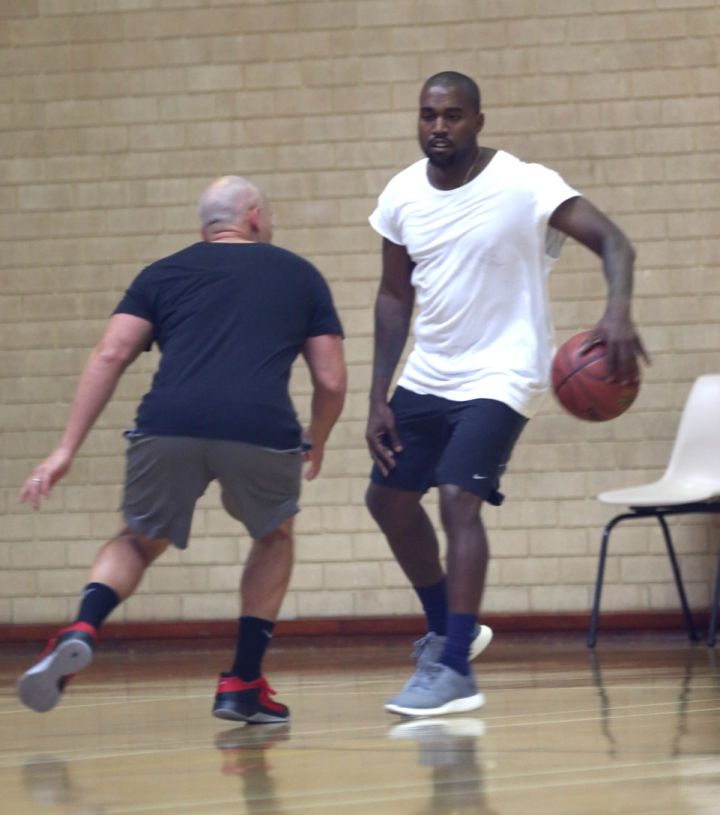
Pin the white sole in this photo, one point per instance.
(38, 688)
(463, 705)
(481, 641)
(256, 718)
(266, 718)
(228, 715)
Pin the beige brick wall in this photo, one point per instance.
(114, 114)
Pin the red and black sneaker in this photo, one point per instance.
(70, 650)
(243, 701)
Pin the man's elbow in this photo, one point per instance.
(334, 383)
(326, 362)
(618, 244)
(628, 250)
(331, 382)
(114, 356)
(633, 253)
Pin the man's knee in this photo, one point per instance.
(146, 548)
(281, 535)
(392, 509)
(382, 503)
(458, 507)
(373, 500)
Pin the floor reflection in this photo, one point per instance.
(687, 678)
(49, 783)
(244, 754)
(450, 748)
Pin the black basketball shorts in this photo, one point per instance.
(467, 444)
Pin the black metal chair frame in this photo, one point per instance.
(660, 512)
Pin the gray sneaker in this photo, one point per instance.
(435, 691)
(430, 647)
(483, 637)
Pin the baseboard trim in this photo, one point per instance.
(368, 626)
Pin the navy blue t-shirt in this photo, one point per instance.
(229, 320)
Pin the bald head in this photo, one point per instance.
(231, 204)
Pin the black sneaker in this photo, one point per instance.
(71, 650)
(243, 701)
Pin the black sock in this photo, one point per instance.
(253, 639)
(434, 603)
(460, 634)
(98, 600)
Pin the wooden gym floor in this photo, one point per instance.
(632, 728)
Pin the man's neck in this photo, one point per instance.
(230, 240)
(227, 236)
(457, 175)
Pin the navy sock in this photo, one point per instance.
(460, 634)
(98, 601)
(253, 639)
(434, 603)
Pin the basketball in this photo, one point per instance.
(580, 383)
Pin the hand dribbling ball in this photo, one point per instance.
(580, 382)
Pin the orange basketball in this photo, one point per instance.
(580, 382)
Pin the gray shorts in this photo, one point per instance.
(167, 474)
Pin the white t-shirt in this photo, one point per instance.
(482, 253)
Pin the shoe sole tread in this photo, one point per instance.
(253, 718)
(463, 705)
(38, 687)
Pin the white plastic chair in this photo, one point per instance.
(691, 484)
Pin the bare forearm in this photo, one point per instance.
(618, 258)
(326, 407)
(616, 327)
(326, 361)
(125, 336)
(392, 324)
(97, 384)
(582, 221)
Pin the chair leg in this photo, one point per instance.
(689, 624)
(595, 616)
(712, 630)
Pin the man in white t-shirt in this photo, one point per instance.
(469, 236)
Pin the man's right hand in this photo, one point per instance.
(380, 428)
(45, 476)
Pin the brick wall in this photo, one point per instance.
(114, 114)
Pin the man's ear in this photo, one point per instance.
(253, 220)
(480, 123)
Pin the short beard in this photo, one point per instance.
(444, 160)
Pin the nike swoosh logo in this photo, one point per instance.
(479, 477)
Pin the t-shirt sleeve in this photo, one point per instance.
(138, 301)
(323, 316)
(550, 190)
(383, 219)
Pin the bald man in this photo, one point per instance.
(230, 315)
